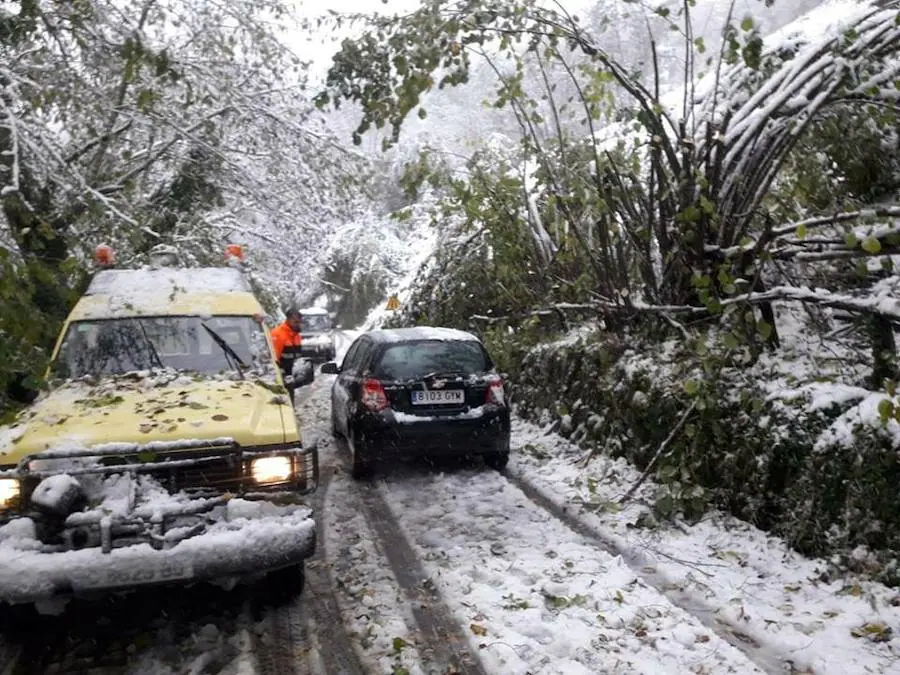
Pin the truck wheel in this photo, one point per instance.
(283, 586)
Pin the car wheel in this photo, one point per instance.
(334, 426)
(361, 466)
(497, 460)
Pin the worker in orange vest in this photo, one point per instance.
(286, 343)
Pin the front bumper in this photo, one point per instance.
(317, 349)
(231, 548)
(390, 434)
(122, 516)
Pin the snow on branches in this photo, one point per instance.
(162, 121)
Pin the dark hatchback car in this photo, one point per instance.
(419, 392)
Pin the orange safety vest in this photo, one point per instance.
(285, 342)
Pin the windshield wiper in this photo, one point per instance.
(154, 353)
(230, 355)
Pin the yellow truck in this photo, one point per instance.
(164, 449)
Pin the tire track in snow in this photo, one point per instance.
(330, 647)
(279, 639)
(439, 640)
(542, 598)
(374, 606)
(443, 641)
(306, 634)
(307, 630)
(765, 658)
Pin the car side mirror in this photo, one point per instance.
(330, 368)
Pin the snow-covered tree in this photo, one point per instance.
(662, 205)
(182, 122)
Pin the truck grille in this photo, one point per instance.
(219, 465)
(221, 473)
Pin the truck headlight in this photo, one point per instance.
(9, 491)
(271, 470)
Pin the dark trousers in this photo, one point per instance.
(286, 374)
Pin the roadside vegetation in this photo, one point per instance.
(692, 270)
(168, 123)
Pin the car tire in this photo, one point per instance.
(361, 467)
(497, 460)
(335, 432)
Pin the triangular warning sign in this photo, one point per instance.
(393, 303)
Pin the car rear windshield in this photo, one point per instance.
(415, 360)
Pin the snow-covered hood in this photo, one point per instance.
(81, 415)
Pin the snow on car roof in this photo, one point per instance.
(166, 291)
(420, 333)
(141, 282)
(94, 307)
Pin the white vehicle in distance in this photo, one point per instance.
(317, 331)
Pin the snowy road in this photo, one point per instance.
(508, 587)
(454, 569)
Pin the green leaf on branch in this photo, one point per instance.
(871, 245)
(885, 410)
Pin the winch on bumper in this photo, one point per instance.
(121, 516)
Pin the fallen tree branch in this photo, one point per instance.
(818, 221)
(884, 306)
(659, 453)
(552, 310)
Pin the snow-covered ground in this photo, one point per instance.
(752, 583)
(540, 572)
(537, 597)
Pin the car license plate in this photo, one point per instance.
(437, 397)
(137, 575)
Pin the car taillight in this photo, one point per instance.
(495, 393)
(373, 396)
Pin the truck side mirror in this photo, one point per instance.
(19, 390)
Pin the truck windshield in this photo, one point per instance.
(182, 343)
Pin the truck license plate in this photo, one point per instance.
(136, 574)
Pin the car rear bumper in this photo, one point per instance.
(388, 434)
(258, 537)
